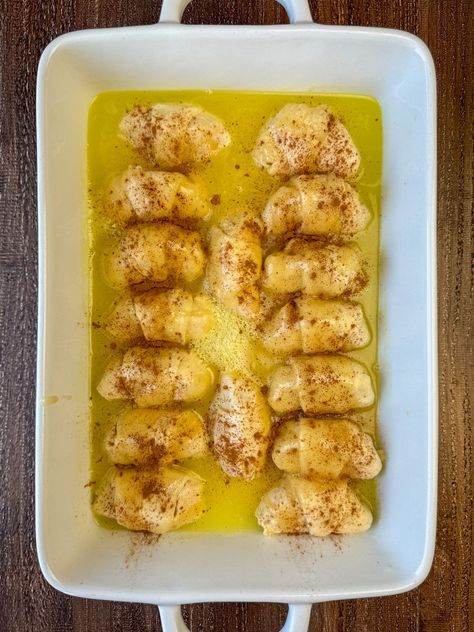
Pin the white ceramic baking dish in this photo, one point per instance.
(77, 556)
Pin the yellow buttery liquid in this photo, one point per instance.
(238, 183)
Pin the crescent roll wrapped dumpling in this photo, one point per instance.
(310, 267)
(317, 507)
(146, 436)
(151, 500)
(312, 325)
(320, 385)
(240, 424)
(172, 316)
(303, 139)
(325, 448)
(156, 377)
(315, 205)
(235, 263)
(170, 135)
(155, 252)
(149, 196)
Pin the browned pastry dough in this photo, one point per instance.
(240, 424)
(156, 377)
(315, 205)
(316, 269)
(312, 325)
(151, 500)
(146, 436)
(235, 263)
(155, 252)
(318, 507)
(320, 384)
(325, 448)
(302, 139)
(172, 135)
(149, 196)
(172, 316)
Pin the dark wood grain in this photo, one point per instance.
(445, 602)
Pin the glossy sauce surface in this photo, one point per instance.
(233, 183)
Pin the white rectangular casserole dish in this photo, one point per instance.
(77, 556)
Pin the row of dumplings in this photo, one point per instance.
(239, 416)
(318, 455)
(299, 139)
(146, 488)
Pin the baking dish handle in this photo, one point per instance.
(298, 11)
(298, 617)
(297, 620)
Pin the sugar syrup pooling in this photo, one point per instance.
(232, 345)
(233, 182)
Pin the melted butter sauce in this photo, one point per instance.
(234, 183)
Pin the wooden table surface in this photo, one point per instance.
(445, 602)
